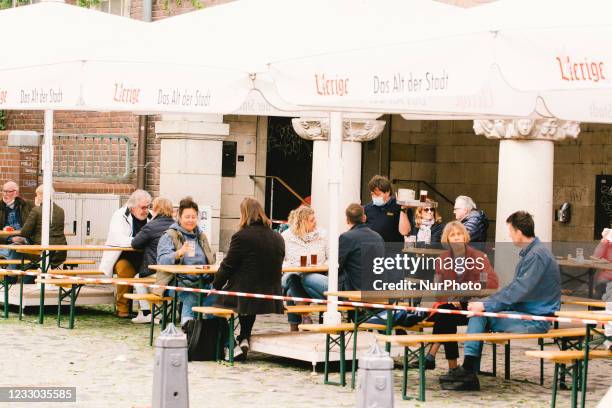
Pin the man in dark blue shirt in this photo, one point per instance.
(383, 214)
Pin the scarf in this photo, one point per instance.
(424, 234)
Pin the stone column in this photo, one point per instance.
(356, 131)
(190, 161)
(525, 175)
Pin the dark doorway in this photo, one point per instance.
(290, 158)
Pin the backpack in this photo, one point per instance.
(202, 335)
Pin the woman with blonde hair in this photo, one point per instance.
(253, 264)
(302, 239)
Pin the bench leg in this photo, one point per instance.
(72, 306)
(354, 362)
(507, 361)
(405, 374)
(541, 344)
(342, 359)
(422, 372)
(585, 363)
(575, 371)
(562, 384)
(553, 398)
(326, 367)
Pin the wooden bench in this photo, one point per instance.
(71, 288)
(67, 262)
(305, 310)
(496, 338)
(155, 301)
(582, 301)
(567, 361)
(228, 314)
(340, 330)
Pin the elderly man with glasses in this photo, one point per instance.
(125, 223)
(14, 211)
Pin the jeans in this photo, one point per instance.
(190, 300)
(314, 284)
(400, 318)
(480, 324)
(292, 286)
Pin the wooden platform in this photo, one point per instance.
(89, 295)
(310, 347)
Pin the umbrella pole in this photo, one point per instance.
(332, 316)
(47, 158)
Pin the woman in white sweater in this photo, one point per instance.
(302, 239)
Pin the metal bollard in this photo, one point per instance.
(375, 379)
(170, 383)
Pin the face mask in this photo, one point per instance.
(378, 201)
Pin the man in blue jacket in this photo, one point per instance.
(535, 290)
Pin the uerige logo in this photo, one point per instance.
(126, 95)
(3, 96)
(571, 70)
(326, 87)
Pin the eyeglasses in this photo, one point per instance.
(146, 207)
(8, 191)
(428, 209)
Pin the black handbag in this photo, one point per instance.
(206, 338)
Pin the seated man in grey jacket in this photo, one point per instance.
(535, 290)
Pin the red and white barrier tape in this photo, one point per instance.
(78, 279)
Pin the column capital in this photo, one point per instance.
(552, 129)
(355, 130)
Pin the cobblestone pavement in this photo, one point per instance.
(111, 364)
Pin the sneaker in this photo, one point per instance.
(454, 374)
(429, 364)
(245, 346)
(142, 319)
(468, 383)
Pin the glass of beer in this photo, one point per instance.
(303, 260)
(191, 248)
(423, 196)
(313, 259)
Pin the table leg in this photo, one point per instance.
(591, 282)
(200, 295)
(73, 289)
(389, 329)
(553, 399)
(43, 267)
(422, 372)
(6, 296)
(574, 398)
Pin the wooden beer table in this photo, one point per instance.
(591, 266)
(44, 252)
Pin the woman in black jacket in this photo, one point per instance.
(147, 240)
(253, 264)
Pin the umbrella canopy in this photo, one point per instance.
(554, 49)
(73, 58)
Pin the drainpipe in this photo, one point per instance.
(147, 15)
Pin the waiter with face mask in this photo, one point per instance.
(384, 214)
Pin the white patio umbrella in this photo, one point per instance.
(251, 34)
(73, 58)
